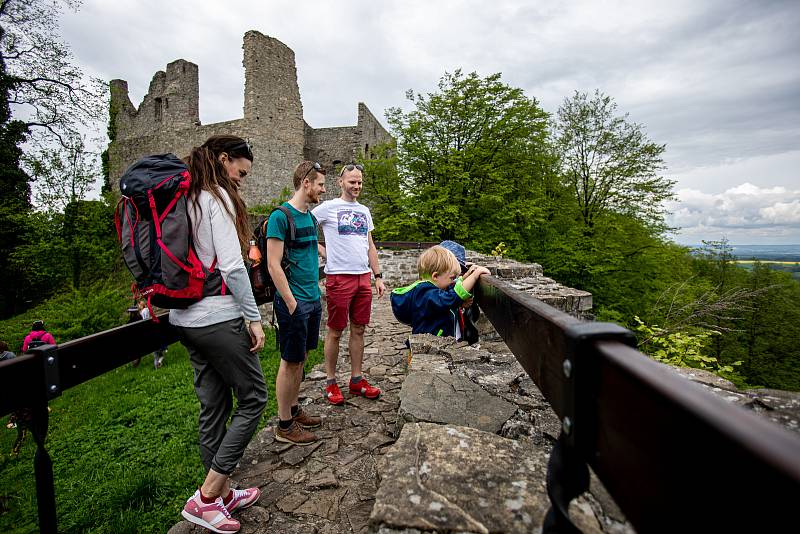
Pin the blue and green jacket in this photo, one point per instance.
(428, 309)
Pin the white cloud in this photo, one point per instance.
(782, 213)
(745, 214)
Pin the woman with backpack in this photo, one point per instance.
(38, 336)
(223, 332)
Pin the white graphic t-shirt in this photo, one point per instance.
(346, 226)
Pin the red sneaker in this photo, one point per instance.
(363, 388)
(334, 394)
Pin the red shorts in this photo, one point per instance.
(348, 295)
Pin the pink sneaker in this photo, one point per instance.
(242, 499)
(215, 517)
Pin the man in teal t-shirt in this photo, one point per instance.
(297, 304)
(303, 256)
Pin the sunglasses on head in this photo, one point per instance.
(317, 167)
(245, 144)
(351, 167)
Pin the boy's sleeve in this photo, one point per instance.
(460, 291)
(277, 225)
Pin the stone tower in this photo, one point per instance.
(168, 120)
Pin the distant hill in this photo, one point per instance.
(764, 252)
(767, 252)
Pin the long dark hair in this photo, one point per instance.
(208, 174)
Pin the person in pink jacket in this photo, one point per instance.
(37, 336)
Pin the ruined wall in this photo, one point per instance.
(369, 131)
(331, 146)
(334, 147)
(273, 116)
(168, 120)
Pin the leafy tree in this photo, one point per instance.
(472, 161)
(15, 193)
(384, 195)
(767, 337)
(608, 162)
(44, 100)
(69, 249)
(64, 175)
(624, 264)
(45, 88)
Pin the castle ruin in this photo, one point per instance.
(168, 120)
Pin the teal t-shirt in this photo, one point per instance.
(304, 268)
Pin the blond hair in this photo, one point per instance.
(437, 260)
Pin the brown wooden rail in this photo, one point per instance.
(675, 457)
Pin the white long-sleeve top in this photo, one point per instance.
(215, 237)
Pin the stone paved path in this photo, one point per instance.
(328, 487)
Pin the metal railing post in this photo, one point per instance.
(38, 424)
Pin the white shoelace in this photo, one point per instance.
(222, 508)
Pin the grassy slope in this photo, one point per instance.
(124, 450)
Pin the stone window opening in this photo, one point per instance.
(366, 150)
(158, 109)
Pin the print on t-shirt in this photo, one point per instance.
(352, 222)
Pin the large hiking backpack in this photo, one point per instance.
(155, 231)
(260, 233)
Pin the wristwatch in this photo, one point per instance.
(378, 275)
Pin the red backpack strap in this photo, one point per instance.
(224, 290)
(150, 308)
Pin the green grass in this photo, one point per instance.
(124, 449)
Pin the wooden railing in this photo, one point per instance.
(30, 381)
(674, 457)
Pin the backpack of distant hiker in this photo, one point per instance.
(263, 287)
(37, 341)
(155, 231)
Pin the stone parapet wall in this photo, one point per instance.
(400, 268)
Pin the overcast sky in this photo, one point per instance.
(717, 81)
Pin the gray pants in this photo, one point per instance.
(222, 361)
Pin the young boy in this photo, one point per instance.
(430, 305)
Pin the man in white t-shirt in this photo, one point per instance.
(351, 260)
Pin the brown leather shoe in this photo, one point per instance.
(294, 434)
(307, 421)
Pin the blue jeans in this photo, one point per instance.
(298, 332)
